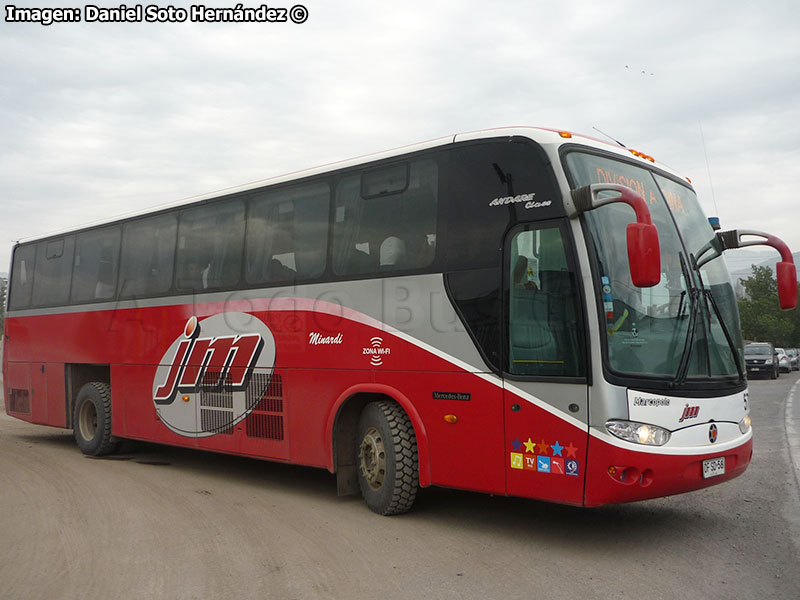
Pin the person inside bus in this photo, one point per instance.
(520, 275)
(195, 275)
(392, 254)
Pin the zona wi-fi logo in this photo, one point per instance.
(376, 351)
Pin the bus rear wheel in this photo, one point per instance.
(388, 471)
(91, 420)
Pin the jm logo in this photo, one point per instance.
(208, 362)
(689, 412)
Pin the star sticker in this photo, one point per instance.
(543, 447)
(571, 450)
(530, 446)
(557, 448)
(517, 445)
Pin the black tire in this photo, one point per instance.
(387, 459)
(91, 420)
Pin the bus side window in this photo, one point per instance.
(543, 310)
(94, 275)
(210, 242)
(287, 234)
(148, 254)
(385, 219)
(22, 277)
(53, 271)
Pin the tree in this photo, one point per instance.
(761, 315)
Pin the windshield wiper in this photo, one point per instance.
(726, 332)
(709, 299)
(694, 310)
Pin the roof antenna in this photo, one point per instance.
(609, 137)
(708, 169)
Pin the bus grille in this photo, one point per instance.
(19, 402)
(266, 419)
(216, 404)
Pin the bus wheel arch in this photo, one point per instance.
(342, 428)
(91, 420)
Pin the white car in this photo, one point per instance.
(784, 362)
(794, 358)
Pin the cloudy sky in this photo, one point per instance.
(99, 119)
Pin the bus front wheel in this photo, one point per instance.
(91, 420)
(388, 471)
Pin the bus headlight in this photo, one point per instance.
(745, 424)
(638, 433)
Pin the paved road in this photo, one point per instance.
(161, 522)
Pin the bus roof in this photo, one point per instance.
(542, 135)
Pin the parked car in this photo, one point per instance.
(794, 358)
(761, 359)
(784, 364)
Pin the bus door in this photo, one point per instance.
(545, 385)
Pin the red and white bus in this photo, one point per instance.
(517, 311)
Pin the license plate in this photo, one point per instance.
(713, 467)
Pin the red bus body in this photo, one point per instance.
(476, 428)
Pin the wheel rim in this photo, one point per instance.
(372, 458)
(87, 420)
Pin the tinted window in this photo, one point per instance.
(148, 253)
(385, 219)
(94, 276)
(543, 307)
(210, 240)
(22, 277)
(287, 234)
(53, 271)
(491, 186)
(476, 293)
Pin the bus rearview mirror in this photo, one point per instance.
(644, 254)
(787, 284)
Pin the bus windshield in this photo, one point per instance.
(686, 326)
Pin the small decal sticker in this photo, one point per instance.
(516, 445)
(557, 465)
(543, 464)
(530, 463)
(516, 460)
(571, 451)
(572, 467)
(530, 446)
(712, 433)
(557, 448)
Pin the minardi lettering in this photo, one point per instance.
(43, 16)
(208, 363)
(317, 339)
